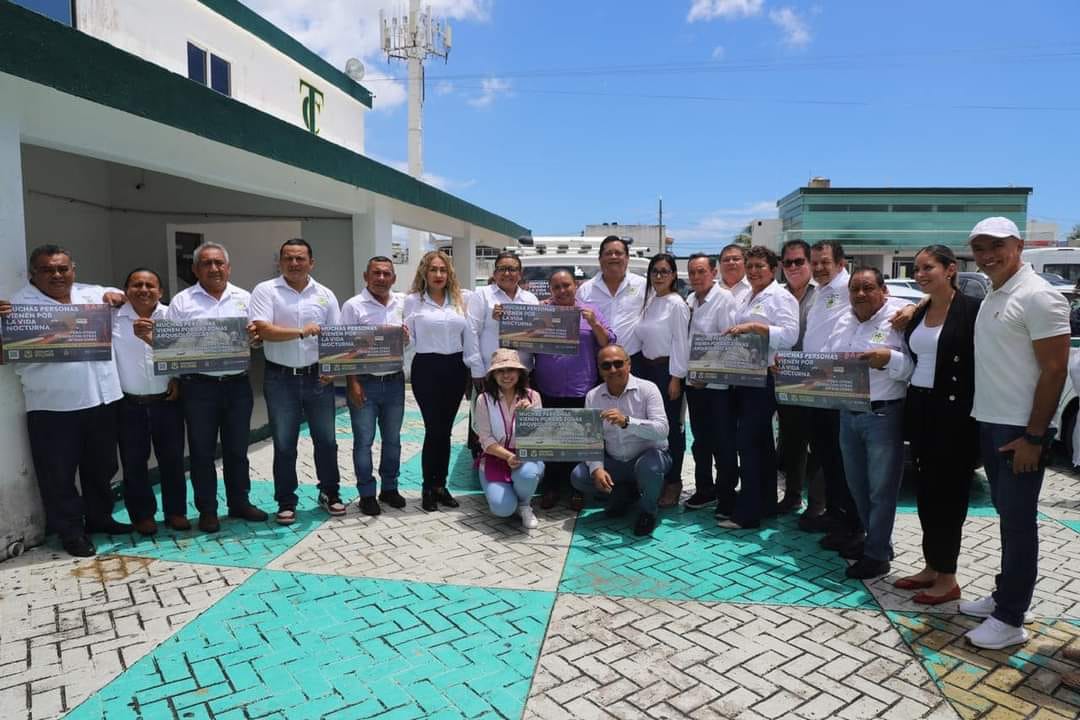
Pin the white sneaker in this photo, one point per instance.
(992, 634)
(984, 607)
(528, 517)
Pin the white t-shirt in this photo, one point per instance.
(1010, 318)
(923, 342)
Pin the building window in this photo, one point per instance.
(913, 208)
(196, 64)
(220, 75)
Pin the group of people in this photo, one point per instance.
(928, 386)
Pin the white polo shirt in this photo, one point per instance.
(435, 328)
(135, 358)
(663, 331)
(778, 309)
(1026, 308)
(739, 290)
(850, 335)
(623, 309)
(483, 337)
(831, 303)
(711, 316)
(195, 303)
(275, 302)
(365, 309)
(67, 386)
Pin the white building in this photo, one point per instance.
(108, 148)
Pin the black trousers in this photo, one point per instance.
(62, 443)
(796, 425)
(657, 373)
(438, 382)
(161, 423)
(212, 405)
(944, 452)
(712, 419)
(825, 445)
(557, 474)
(754, 408)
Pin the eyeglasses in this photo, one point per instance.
(612, 364)
(507, 269)
(660, 272)
(794, 262)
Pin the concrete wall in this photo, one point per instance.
(262, 76)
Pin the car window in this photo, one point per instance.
(972, 288)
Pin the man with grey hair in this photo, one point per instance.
(216, 401)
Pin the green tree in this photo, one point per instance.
(1074, 236)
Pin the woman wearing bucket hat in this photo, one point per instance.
(508, 481)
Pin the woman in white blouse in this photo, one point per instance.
(659, 346)
(768, 310)
(508, 481)
(435, 318)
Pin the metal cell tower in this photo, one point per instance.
(415, 36)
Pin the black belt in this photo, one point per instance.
(145, 399)
(876, 405)
(392, 377)
(920, 390)
(312, 369)
(199, 377)
(652, 362)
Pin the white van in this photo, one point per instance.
(1063, 261)
(541, 256)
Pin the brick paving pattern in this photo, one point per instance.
(461, 614)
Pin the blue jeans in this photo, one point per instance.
(384, 403)
(643, 476)
(1016, 500)
(505, 498)
(289, 400)
(211, 405)
(872, 445)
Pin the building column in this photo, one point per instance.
(23, 519)
(372, 234)
(465, 258)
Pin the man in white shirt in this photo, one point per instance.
(379, 397)
(733, 272)
(872, 443)
(616, 293)
(288, 313)
(216, 401)
(635, 442)
(832, 301)
(1021, 361)
(712, 417)
(71, 414)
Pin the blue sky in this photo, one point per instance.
(559, 114)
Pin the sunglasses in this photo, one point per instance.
(794, 262)
(609, 364)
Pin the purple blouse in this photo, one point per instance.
(572, 375)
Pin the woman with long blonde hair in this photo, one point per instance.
(435, 317)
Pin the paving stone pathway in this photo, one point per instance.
(462, 614)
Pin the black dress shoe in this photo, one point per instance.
(837, 540)
(867, 568)
(790, 503)
(369, 505)
(392, 498)
(208, 522)
(78, 546)
(249, 513)
(646, 523)
(428, 501)
(109, 527)
(853, 550)
(443, 496)
(821, 522)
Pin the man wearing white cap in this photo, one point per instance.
(1021, 362)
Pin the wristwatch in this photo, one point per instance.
(626, 422)
(1035, 439)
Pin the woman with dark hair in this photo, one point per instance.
(435, 318)
(943, 435)
(149, 414)
(564, 380)
(768, 310)
(508, 481)
(659, 346)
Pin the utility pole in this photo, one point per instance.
(414, 37)
(661, 246)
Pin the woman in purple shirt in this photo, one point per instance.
(563, 380)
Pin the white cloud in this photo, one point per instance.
(444, 87)
(440, 181)
(796, 31)
(340, 29)
(727, 9)
(719, 227)
(718, 52)
(490, 88)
